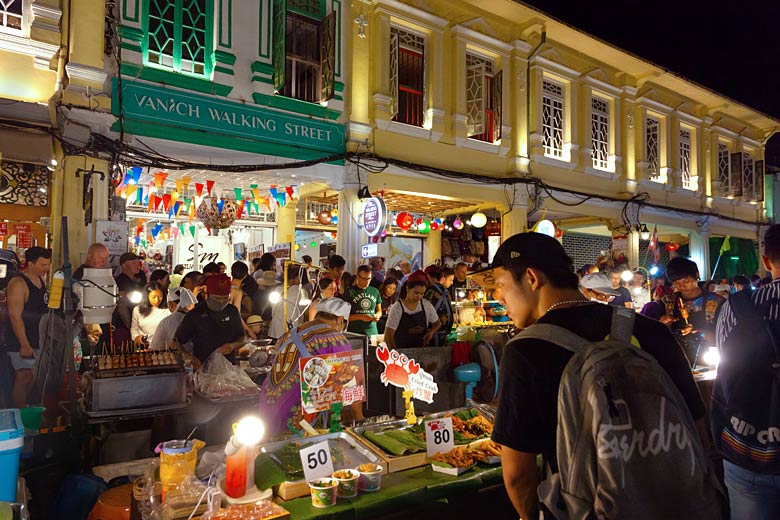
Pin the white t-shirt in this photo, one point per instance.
(395, 313)
(147, 325)
(166, 330)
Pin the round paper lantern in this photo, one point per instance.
(478, 219)
(297, 247)
(434, 225)
(457, 224)
(404, 220)
(324, 218)
(313, 244)
(333, 235)
(672, 246)
(423, 226)
(558, 233)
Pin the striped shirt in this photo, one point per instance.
(727, 320)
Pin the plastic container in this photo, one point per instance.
(348, 482)
(370, 480)
(177, 461)
(11, 443)
(31, 417)
(323, 492)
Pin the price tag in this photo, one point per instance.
(438, 436)
(316, 461)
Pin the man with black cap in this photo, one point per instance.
(213, 324)
(127, 281)
(540, 286)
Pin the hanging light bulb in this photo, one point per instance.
(644, 233)
(478, 219)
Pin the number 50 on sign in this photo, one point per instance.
(438, 436)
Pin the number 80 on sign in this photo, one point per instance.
(438, 436)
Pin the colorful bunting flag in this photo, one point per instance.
(198, 189)
(239, 193)
(209, 186)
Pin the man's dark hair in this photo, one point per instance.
(772, 243)
(192, 275)
(306, 259)
(461, 264)
(179, 269)
(32, 254)
(157, 275)
(268, 262)
(255, 263)
(239, 270)
(679, 268)
(211, 268)
(221, 265)
(336, 261)
(641, 273)
(447, 271)
(293, 272)
(755, 278)
(365, 269)
(742, 280)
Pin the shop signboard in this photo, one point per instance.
(159, 105)
(210, 249)
(404, 372)
(281, 252)
(114, 236)
(374, 216)
(332, 378)
(369, 250)
(3, 229)
(24, 236)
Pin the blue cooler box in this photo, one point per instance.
(11, 443)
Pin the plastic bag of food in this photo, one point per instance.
(218, 377)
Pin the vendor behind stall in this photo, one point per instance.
(280, 394)
(412, 320)
(213, 324)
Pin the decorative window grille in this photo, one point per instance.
(304, 50)
(11, 14)
(752, 178)
(552, 118)
(652, 150)
(685, 158)
(599, 130)
(483, 99)
(179, 35)
(407, 76)
(727, 187)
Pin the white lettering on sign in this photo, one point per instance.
(369, 250)
(317, 462)
(622, 441)
(438, 436)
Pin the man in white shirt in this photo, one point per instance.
(180, 302)
(295, 304)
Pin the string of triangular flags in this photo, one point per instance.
(178, 204)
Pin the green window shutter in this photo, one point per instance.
(498, 94)
(278, 52)
(328, 57)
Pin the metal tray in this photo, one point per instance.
(353, 452)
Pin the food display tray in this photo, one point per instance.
(392, 462)
(354, 454)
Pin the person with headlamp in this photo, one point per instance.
(280, 394)
(213, 325)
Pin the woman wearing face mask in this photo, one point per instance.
(213, 324)
(148, 315)
(412, 321)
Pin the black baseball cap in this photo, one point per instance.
(526, 250)
(127, 257)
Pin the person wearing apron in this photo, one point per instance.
(412, 321)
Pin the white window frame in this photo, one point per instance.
(600, 128)
(24, 23)
(653, 125)
(552, 102)
(685, 153)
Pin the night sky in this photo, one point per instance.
(732, 47)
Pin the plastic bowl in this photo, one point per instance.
(370, 480)
(348, 482)
(323, 492)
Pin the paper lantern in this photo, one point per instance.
(478, 219)
(434, 225)
(423, 226)
(457, 224)
(558, 233)
(404, 220)
(324, 218)
(215, 217)
(313, 244)
(297, 247)
(672, 246)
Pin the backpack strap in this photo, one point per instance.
(622, 324)
(555, 334)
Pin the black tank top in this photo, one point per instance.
(34, 310)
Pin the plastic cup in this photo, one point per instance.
(323, 492)
(370, 479)
(348, 482)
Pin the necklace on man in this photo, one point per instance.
(565, 302)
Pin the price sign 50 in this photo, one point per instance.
(438, 436)
(317, 462)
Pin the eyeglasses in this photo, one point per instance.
(364, 277)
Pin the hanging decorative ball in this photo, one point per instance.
(313, 244)
(334, 219)
(434, 225)
(209, 212)
(672, 246)
(457, 224)
(558, 232)
(333, 235)
(404, 220)
(478, 219)
(423, 226)
(324, 218)
(297, 247)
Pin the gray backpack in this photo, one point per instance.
(626, 445)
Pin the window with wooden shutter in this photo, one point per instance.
(328, 58)
(407, 76)
(498, 96)
(735, 190)
(279, 55)
(483, 99)
(652, 150)
(685, 158)
(552, 118)
(599, 133)
(758, 183)
(748, 178)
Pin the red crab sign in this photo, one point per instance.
(406, 373)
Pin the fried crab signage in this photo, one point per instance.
(332, 378)
(406, 373)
